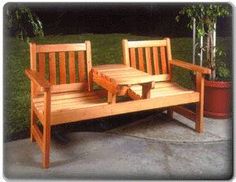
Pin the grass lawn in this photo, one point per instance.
(106, 48)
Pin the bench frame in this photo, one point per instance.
(40, 85)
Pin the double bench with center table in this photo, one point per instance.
(60, 95)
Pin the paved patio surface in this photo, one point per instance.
(152, 148)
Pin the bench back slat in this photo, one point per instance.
(156, 60)
(62, 63)
(140, 58)
(152, 56)
(163, 60)
(72, 66)
(52, 68)
(81, 66)
(132, 57)
(41, 64)
(148, 60)
(62, 66)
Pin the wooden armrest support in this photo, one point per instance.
(190, 66)
(41, 82)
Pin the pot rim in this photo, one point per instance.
(218, 84)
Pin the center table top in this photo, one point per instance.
(122, 74)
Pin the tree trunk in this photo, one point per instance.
(210, 54)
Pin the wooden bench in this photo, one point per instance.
(155, 58)
(62, 91)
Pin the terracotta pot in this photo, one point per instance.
(218, 99)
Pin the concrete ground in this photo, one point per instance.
(152, 148)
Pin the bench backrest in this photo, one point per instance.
(65, 66)
(150, 56)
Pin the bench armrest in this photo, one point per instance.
(41, 82)
(190, 66)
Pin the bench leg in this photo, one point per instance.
(170, 113)
(90, 82)
(111, 98)
(32, 122)
(199, 125)
(146, 90)
(46, 145)
(199, 118)
(46, 129)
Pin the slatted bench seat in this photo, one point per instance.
(61, 103)
(161, 89)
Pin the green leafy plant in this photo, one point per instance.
(222, 67)
(22, 23)
(206, 16)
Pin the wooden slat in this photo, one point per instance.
(110, 67)
(135, 80)
(172, 92)
(140, 59)
(42, 64)
(126, 71)
(62, 67)
(63, 103)
(133, 57)
(38, 136)
(81, 66)
(97, 102)
(163, 60)
(155, 60)
(72, 67)
(115, 71)
(64, 95)
(160, 86)
(164, 84)
(69, 87)
(161, 77)
(162, 90)
(148, 60)
(185, 112)
(61, 47)
(149, 43)
(38, 114)
(123, 107)
(126, 75)
(122, 73)
(52, 68)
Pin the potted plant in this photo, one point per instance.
(218, 86)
